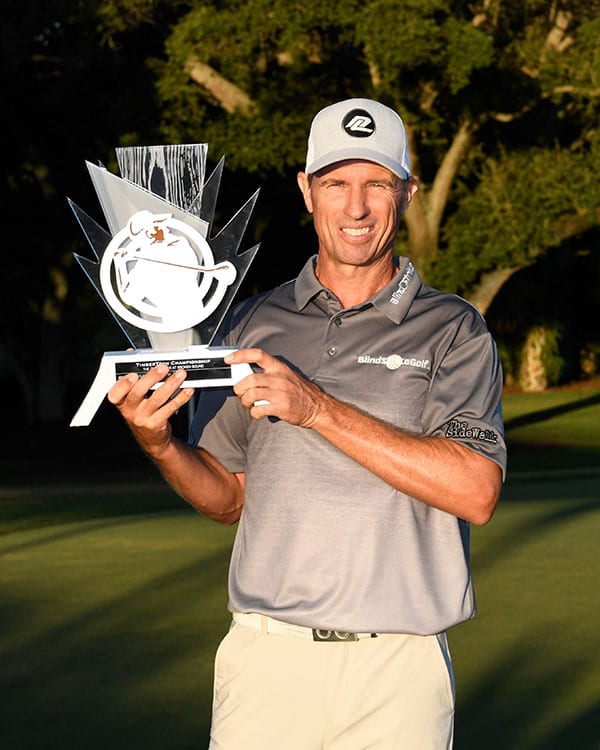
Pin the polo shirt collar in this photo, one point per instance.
(393, 300)
(307, 286)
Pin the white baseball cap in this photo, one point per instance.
(358, 129)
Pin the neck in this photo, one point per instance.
(353, 285)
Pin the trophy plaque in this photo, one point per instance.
(166, 281)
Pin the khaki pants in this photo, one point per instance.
(282, 692)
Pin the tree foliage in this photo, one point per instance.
(524, 203)
(500, 98)
(72, 96)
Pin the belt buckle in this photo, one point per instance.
(333, 636)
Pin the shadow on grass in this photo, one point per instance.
(130, 672)
(583, 733)
(525, 697)
(135, 671)
(66, 531)
(555, 411)
(549, 450)
(528, 457)
(519, 535)
(586, 499)
(510, 707)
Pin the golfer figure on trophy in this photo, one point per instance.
(166, 283)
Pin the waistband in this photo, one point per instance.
(270, 626)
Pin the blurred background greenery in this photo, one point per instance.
(500, 99)
(113, 596)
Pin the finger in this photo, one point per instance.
(250, 394)
(154, 376)
(134, 389)
(262, 408)
(244, 385)
(173, 404)
(167, 390)
(151, 381)
(161, 404)
(121, 389)
(252, 356)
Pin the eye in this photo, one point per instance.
(388, 188)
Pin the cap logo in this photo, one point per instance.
(359, 123)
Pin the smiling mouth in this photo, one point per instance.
(358, 232)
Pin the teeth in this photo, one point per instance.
(355, 232)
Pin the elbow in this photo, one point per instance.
(226, 517)
(487, 500)
(484, 490)
(482, 516)
(231, 518)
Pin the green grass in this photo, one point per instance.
(111, 611)
(31, 507)
(555, 430)
(528, 666)
(108, 632)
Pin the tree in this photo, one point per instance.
(74, 93)
(500, 97)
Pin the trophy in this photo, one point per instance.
(167, 283)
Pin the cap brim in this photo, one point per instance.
(333, 157)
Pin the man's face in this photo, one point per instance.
(356, 207)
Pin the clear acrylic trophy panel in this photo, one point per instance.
(167, 284)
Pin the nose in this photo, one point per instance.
(357, 205)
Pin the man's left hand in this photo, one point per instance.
(275, 390)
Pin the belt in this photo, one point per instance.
(278, 627)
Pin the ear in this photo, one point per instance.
(302, 178)
(411, 188)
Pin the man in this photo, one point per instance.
(354, 458)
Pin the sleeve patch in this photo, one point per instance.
(463, 430)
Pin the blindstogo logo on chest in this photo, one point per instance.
(393, 361)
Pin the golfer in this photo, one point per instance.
(353, 460)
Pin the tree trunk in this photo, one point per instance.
(488, 287)
(424, 217)
(229, 96)
(422, 249)
(532, 373)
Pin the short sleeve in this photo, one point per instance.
(464, 402)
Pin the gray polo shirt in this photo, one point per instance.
(322, 542)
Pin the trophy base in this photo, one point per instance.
(205, 367)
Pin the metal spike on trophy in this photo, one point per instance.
(167, 283)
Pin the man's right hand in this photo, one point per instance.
(147, 412)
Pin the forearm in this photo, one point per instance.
(195, 475)
(436, 471)
(201, 481)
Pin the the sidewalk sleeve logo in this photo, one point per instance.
(458, 429)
